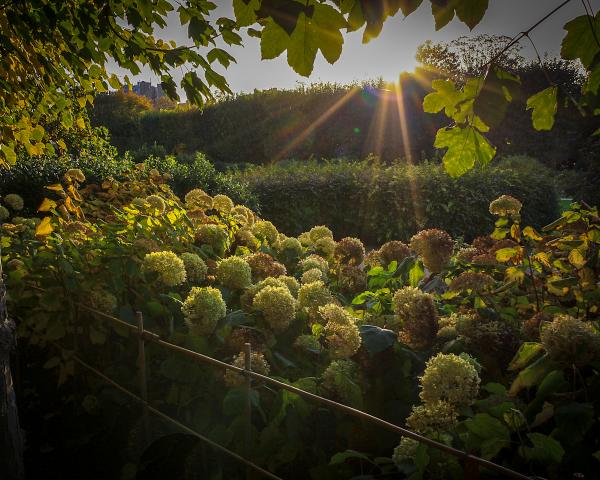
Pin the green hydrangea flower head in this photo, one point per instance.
(405, 451)
(202, 309)
(308, 342)
(102, 300)
(277, 306)
(156, 203)
(213, 235)
(311, 296)
(198, 198)
(169, 267)
(222, 203)
(234, 273)
(433, 417)
(416, 317)
(195, 267)
(312, 275)
(341, 332)
(14, 201)
(341, 379)
(394, 250)
(325, 246)
(350, 250)
(4, 213)
(304, 239)
(266, 231)
(290, 247)
(245, 237)
(318, 232)
(258, 364)
(314, 261)
(247, 298)
(505, 206)
(435, 248)
(475, 281)
(243, 211)
(570, 341)
(450, 378)
(291, 283)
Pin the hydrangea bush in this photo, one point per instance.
(491, 347)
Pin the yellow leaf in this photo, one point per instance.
(505, 254)
(80, 123)
(70, 206)
(57, 187)
(576, 258)
(515, 232)
(61, 144)
(513, 274)
(531, 233)
(543, 258)
(44, 227)
(47, 205)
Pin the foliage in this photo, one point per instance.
(414, 198)
(535, 413)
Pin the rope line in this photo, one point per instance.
(180, 425)
(467, 457)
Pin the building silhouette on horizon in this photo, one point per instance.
(146, 89)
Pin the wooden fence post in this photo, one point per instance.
(248, 439)
(143, 376)
(470, 469)
(11, 440)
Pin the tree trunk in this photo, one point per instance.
(11, 442)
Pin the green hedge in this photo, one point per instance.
(378, 203)
(99, 160)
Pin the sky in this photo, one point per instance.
(389, 54)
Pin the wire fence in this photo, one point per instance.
(471, 463)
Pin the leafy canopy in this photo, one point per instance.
(54, 57)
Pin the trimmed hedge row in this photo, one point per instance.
(378, 203)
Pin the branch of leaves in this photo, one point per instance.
(480, 104)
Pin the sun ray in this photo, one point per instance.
(410, 164)
(314, 125)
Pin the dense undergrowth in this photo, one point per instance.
(492, 347)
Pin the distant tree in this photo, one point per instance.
(120, 113)
(468, 57)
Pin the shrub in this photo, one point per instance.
(377, 203)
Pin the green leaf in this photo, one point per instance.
(491, 434)
(376, 339)
(328, 24)
(545, 449)
(579, 43)
(51, 363)
(341, 457)
(466, 148)
(9, 154)
(498, 90)
(302, 49)
(526, 354)
(470, 12)
(245, 11)
(409, 6)
(445, 97)
(532, 375)
(544, 106)
(273, 41)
